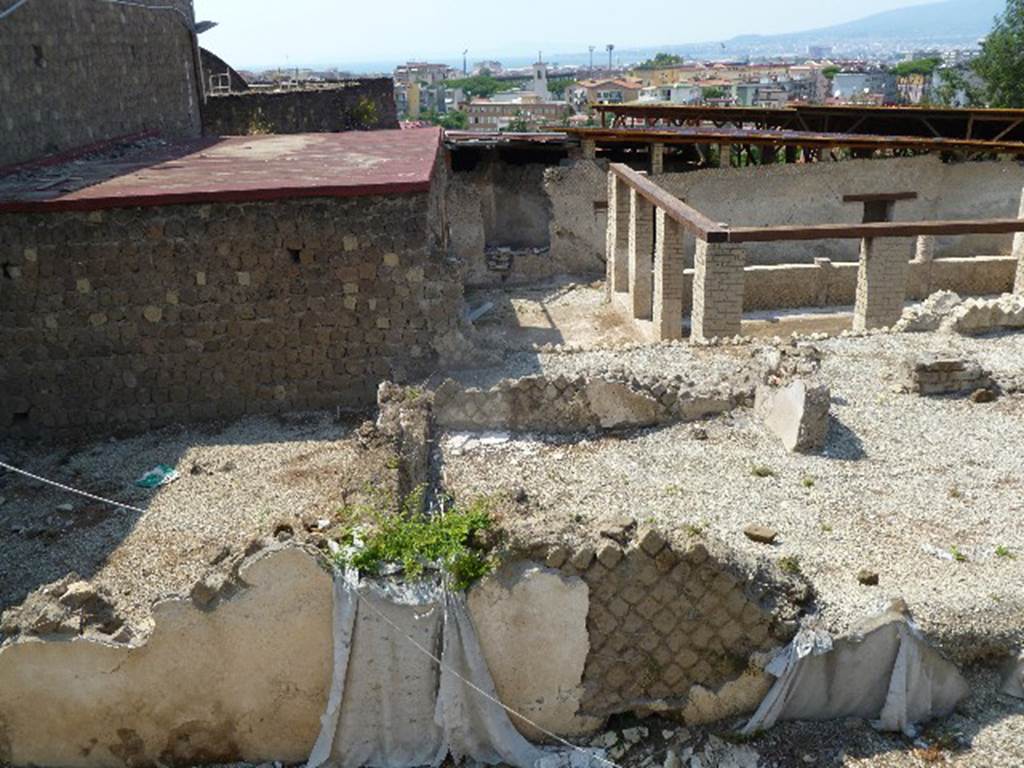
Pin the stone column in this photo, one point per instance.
(641, 240)
(881, 281)
(925, 249)
(668, 277)
(717, 290)
(657, 158)
(589, 149)
(1018, 251)
(616, 245)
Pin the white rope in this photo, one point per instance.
(481, 691)
(69, 489)
(12, 9)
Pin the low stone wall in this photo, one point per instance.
(128, 319)
(353, 105)
(562, 404)
(827, 283)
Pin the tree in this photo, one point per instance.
(482, 86)
(957, 88)
(454, 120)
(917, 67)
(1001, 61)
(518, 123)
(660, 61)
(830, 71)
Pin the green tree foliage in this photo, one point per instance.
(1001, 61)
(957, 89)
(454, 120)
(481, 86)
(557, 85)
(518, 123)
(661, 60)
(714, 92)
(917, 66)
(830, 72)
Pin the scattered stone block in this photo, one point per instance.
(762, 534)
(797, 414)
(867, 577)
(938, 374)
(619, 529)
(983, 395)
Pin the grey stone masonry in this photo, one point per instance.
(881, 281)
(1018, 251)
(617, 236)
(668, 278)
(938, 375)
(657, 158)
(717, 290)
(641, 242)
(925, 250)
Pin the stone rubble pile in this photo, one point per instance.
(943, 375)
(977, 315)
(68, 606)
(929, 314)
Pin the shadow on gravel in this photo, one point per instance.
(842, 442)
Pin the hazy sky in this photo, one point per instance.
(349, 32)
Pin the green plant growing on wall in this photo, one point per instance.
(365, 114)
(259, 125)
(458, 541)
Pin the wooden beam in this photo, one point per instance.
(880, 229)
(878, 196)
(690, 218)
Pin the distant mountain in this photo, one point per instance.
(953, 20)
(948, 24)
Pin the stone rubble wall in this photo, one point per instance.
(75, 73)
(982, 315)
(129, 319)
(670, 622)
(353, 105)
(564, 404)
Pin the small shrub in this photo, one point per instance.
(808, 481)
(790, 564)
(958, 556)
(826, 528)
(452, 541)
(1005, 552)
(760, 470)
(955, 493)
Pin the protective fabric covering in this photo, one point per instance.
(884, 672)
(391, 705)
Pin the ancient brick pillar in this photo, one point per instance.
(617, 237)
(668, 278)
(641, 243)
(925, 249)
(657, 158)
(1018, 251)
(717, 290)
(881, 281)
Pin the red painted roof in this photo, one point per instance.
(233, 169)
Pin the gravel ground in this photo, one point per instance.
(904, 482)
(236, 483)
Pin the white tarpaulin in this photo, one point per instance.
(885, 672)
(391, 705)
